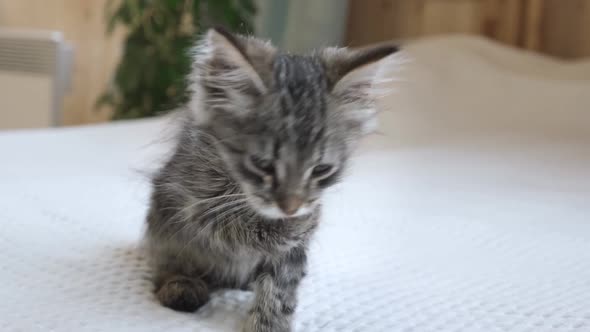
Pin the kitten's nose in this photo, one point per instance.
(290, 204)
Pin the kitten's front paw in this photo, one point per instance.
(261, 323)
(183, 294)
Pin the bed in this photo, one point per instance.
(469, 210)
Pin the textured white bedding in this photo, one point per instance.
(469, 212)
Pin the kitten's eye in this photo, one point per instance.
(321, 170)
(264, 165)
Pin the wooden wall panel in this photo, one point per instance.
(499, 19)
(556, 27)
(565, 28)
(96, 55)
(459, 16)
(372, 21)
(532, 27)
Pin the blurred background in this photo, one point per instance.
(72, 62)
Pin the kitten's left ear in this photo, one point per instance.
(356, 78)
(355, 68)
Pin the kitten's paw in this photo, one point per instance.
(261, 323)
(183, 294)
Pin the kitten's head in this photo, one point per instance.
(284, 124)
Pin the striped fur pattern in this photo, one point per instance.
(237, 203)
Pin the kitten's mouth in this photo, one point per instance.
(282, 209)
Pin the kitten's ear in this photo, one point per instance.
(229, 71)
(356, 79)
(355, 68)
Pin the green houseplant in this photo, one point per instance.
(150, 78)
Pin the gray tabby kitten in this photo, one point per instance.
(237, 203)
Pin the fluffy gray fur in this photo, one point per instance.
(236, 204)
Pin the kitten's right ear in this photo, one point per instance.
(229, 71)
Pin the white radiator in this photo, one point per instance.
(35, 71)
